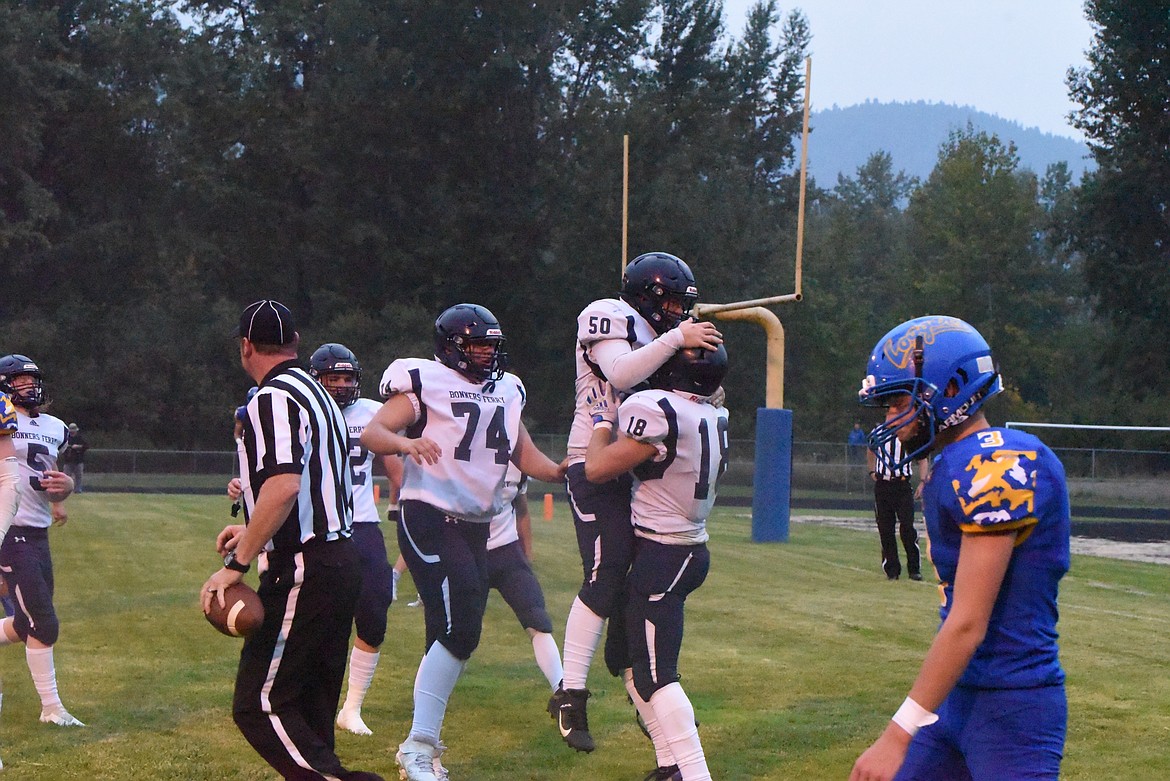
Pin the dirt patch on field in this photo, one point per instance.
(1152, 552)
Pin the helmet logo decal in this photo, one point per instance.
(901, 353)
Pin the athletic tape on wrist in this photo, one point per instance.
(912, 717)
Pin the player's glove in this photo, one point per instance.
(603, 405)
(392, 514)
(717, 398)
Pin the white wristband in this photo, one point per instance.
(912, 717)
(603, 423)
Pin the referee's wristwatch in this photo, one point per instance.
(229, 562)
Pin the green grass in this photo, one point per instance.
(795, 656)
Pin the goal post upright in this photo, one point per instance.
(772, 476)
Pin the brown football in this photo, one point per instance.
(241, 614)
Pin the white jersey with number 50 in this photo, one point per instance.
(675, 490)
(604, 319)
(475, 424)
(361, 461)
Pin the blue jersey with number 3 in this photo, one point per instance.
(1005, 480)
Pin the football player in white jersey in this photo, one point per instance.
(620, 343)
(9, 469)
(510, 572)
(675, 442)
(338, 370)
(25, 560)
(461, 417)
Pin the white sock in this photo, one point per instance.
(548, 658)
(677, 719)
(44, 675)
(437, 675)
(361, 671)
(582, 636)
(5, 628)
(662, 751)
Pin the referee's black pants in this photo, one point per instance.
(292, 668)
(893, 502)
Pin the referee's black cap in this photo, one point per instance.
(267, 322)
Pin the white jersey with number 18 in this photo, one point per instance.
(675, 490)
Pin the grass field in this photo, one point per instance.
(795, 656)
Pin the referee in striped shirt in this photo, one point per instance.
(893, 504)
(298, 509)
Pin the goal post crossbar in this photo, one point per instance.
(1023, 424)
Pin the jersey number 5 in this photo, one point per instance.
(495, 437)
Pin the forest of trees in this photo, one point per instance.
(370, 162)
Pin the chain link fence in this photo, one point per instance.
(818, 468)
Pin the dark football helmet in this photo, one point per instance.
(459, 328)
(333, 358)
(943, 364)
(694, 370)
(653, 282)
(15, 365)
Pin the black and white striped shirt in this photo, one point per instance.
(892, 453)
(293, 426)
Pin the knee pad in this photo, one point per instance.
(647, 686)
(461, 643)
(369, 615)
(603, 595)
(46, 630)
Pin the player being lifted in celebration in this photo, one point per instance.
(620, 341)
(510, 572)
(461, 416)
(25, 559)
(989, 700)
(676, 444)
(337, 368)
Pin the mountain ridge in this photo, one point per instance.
(842, 139)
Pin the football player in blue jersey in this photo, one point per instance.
(989, 701)
(620, 343)
(25, 559)
(675, 442)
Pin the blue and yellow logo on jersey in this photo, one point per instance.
(997, 490)
(7, 415)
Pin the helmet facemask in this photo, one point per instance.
(343, 394)
(471, 359)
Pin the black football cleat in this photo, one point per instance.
(671, 773)
(567, 707)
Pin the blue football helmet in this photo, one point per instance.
(462, 326)
(654, 280)
(334, 358)
(945, 367)
(15, 365)
(694, 370)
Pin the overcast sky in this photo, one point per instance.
(1005, 57)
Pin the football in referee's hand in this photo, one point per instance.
(241, 614)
